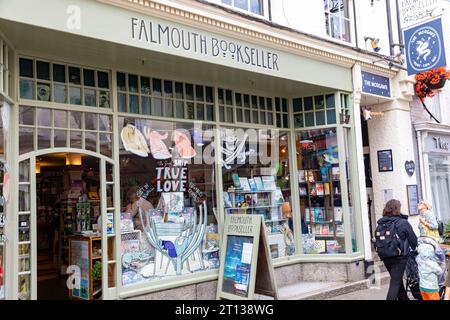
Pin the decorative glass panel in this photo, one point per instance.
(90, 97)
(89, 77)
(59, 93)
(75, 95)
(74, 75)
(59, 73)
(43, 91)
(44, 138)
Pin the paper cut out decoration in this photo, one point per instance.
(183, 145)
(158, 147)
(134, 141)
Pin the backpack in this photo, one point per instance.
(386, 241)
(440, 228)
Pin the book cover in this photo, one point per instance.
(319, 189)
(236, 182)
(319, 215)
(325, 230)
(188, 214)
(318, 229)
(175, 217)
(259, 184)
(277, 197)
(243, 181)
(326, 188)
(307, 215)
(173, 201)
(310, 175)
(301, 176)
(252, 183)
(302, 191)
(332, 246)
(335, 173)
(269, 183)
(339, 230)
(337, 214)
(227, 200)
(319, 246)
(312, 190)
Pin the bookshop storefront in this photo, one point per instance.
(132, 151)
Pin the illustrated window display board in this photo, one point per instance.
(168, 222)
(245, 263)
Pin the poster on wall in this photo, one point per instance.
(385, 162)
(412, 193)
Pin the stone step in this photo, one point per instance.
(326, 290)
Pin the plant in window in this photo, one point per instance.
(429, 81)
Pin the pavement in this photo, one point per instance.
(367, 294)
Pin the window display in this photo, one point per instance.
(168, 215)
(256, 174)
(319, 179)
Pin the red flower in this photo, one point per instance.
(425, 79)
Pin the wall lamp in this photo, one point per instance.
(373, 43)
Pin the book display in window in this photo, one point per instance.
(259, 195)
(320, 195)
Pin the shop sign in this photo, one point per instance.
(410, 167)
(245, 262)
(437, 144)
(155, 33)
(424, 47)
(192, 41)
(375, 84)
(416, 11)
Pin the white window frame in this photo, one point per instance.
(265, 8)
(349, 19)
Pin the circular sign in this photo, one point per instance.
(424, 49)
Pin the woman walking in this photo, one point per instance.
(394, 238)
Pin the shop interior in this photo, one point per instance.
(68, 209)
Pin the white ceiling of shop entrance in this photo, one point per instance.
(69, 48)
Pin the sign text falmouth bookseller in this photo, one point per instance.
(197, 43)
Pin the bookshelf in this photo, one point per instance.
(320, 199)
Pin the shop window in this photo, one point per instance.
(254, 109)
(314, 111)
(169, 224)
(53, 128)
(320, 193)
(59, 83)
(164, 98)
(337, 19)
(439, 171)
(256, 180)
(252, 6)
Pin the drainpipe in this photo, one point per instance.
(399, 27)
(269, 4)
(356, 26)
(389, 17)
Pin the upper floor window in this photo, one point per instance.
(337, 19)
(252, 6)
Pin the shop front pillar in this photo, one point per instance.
(362, 219)
(392, 131)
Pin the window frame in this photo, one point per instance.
(328, 25)
(264, 8)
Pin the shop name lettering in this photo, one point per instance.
(171, 179)
(440, 144)
(375, 84)
(240, 225)
(414, 10)
(188, 41)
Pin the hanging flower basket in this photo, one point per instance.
(439, 85)
(430, 80)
